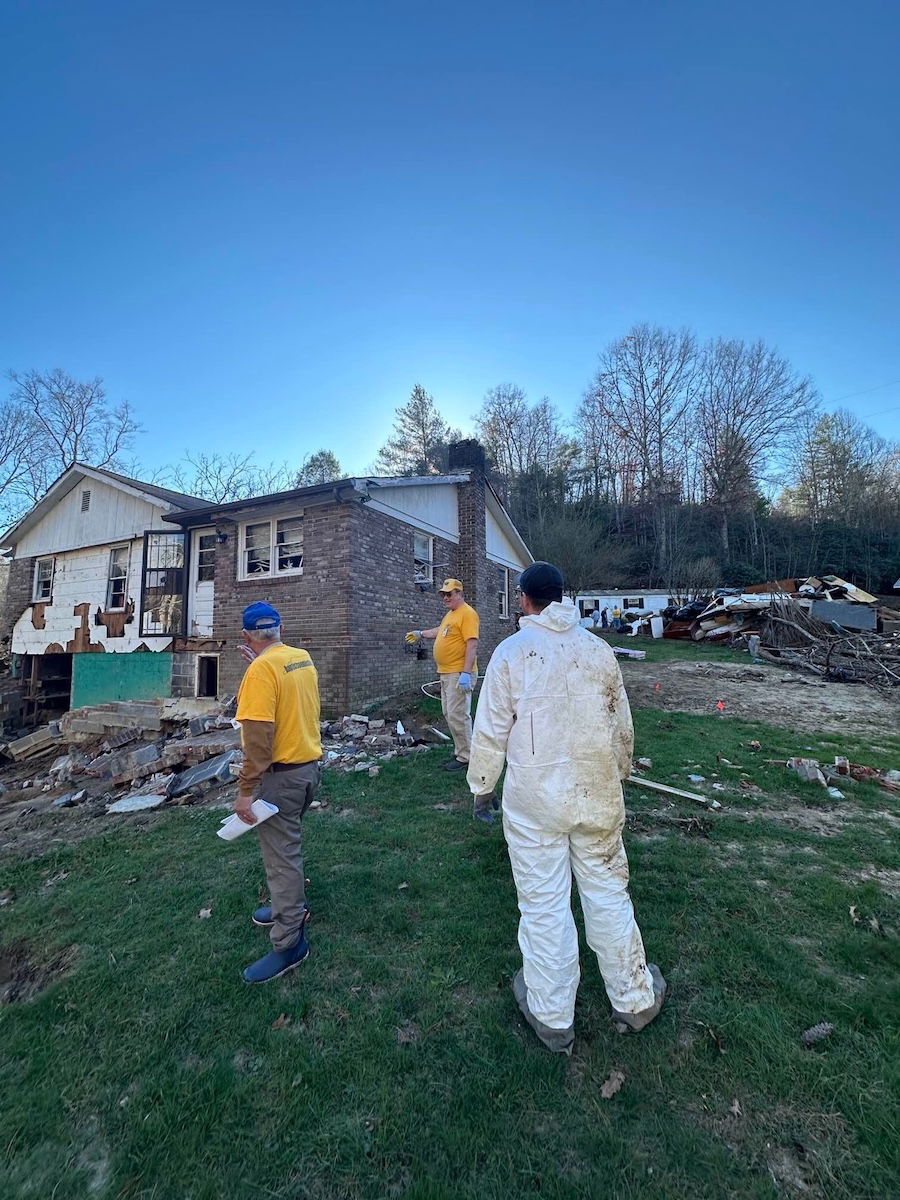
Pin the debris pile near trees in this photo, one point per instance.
(822, 625)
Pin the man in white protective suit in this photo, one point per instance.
(553, 706)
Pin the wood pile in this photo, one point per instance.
(791, 637)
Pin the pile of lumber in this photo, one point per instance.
(791, 637)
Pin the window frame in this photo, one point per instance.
(633, 605)
(244, 576)
(113, 550)
(199, 551)
(167, 579)
(48, 599)
(503, 593)
(425, 578)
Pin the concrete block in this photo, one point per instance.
(206, 775)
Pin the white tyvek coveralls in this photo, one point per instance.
(553, 705)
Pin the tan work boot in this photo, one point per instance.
(635, 1022)
(560, 1041)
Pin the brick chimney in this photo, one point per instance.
(468, 456)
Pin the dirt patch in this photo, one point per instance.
(825, 821)
(24, 974)
(760, 694)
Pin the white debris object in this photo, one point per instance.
(129, 804)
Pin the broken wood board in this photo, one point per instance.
(706, 801)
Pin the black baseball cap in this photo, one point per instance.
(542, 581)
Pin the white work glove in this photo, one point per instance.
(465, 680)
(413, 636)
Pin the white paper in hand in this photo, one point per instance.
(232, 827)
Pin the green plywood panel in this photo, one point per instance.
(99, 678)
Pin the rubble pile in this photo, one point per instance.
(133, 755)
(822, 625)
(127, 757)
(358, 743)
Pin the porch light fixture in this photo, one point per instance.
(221, 537)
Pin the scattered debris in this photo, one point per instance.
(816, 1033)
(204, 914)
(612, 1084)
(281, 1021)
(644, 763)
(735, 1108)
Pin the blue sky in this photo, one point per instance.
(263, 222)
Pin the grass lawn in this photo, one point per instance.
(394, 1063)
(677, 649)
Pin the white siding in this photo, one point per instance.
(113, 516)
(431, 507)
(80, 576)
(499, 548)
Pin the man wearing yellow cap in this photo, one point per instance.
(455, 649)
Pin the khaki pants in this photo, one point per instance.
(456, 706)
(282, 848)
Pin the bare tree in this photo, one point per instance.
(65, 421)
(321, 467)
(644, 386)
(420, 439)
(220, 478)
(751, 399)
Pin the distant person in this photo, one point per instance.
(455, 654)
(595, 616)
(278, 710)
(604, 618)
(617, 618)
(563, 810)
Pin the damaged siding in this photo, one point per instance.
(76, 619)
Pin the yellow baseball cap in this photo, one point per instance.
(450, 585)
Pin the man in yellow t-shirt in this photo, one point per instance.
(278, 709)
(455, 650)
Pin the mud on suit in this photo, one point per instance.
(553, 706)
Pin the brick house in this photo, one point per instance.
(351, 565)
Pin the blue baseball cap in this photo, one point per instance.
(261, 616)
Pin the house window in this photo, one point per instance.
(162, 585)
(266, 542)
(503, 593)
(208, 675)
(43, 579)
(638, 603)
(86, 500)
(423, 558)
(206, 558)
(117, 579)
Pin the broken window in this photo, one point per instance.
(162, 591)
(289, 540)
(266, 542)
(206, 558)
(117, 579)
(423, 558)
(43, 579)
(503, 592)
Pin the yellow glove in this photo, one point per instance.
(413, 636)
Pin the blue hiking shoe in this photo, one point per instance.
(277, 962)
(263, 916)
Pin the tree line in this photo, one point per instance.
(686, 465)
